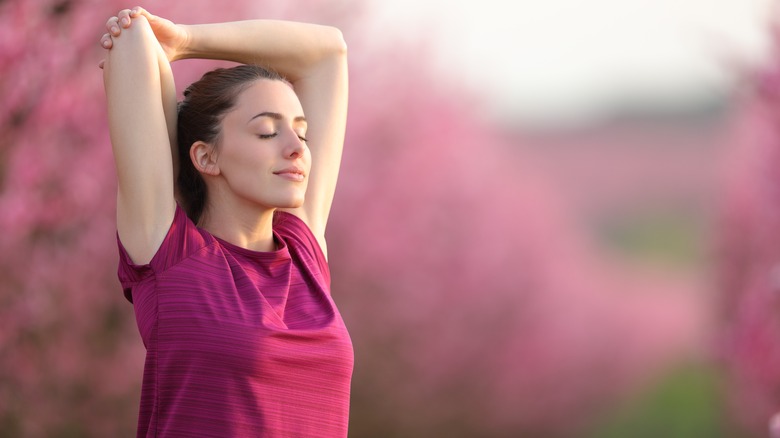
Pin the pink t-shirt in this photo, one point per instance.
(239, 343)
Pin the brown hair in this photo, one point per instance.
(199, 119)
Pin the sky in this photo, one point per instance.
(571, 59)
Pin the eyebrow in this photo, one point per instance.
(276, 116)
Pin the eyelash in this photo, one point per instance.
(267, 136)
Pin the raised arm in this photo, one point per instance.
(141, 116)
(312, 57)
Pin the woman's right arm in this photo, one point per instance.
(142, 122)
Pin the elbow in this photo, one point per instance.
(342, 44)
(337, 43)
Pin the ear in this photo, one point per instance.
(204, 158)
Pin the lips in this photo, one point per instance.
(291, 173)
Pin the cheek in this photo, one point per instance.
(246, 151)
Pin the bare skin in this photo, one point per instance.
(141, 93)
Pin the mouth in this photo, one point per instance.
(291, 173)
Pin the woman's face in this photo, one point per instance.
(263, 157)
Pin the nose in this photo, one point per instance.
(294, 147)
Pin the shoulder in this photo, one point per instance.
(182, 240)
(290, 226)
(299, 237)
(314, 227)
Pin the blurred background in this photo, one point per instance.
(554, 219)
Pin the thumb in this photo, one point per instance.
(139, 11)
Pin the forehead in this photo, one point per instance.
(267, 95)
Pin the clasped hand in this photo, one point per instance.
(173, 38)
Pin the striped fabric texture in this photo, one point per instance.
(239, 343)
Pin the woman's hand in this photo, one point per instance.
(173, 38)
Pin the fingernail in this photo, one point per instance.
(114, 29)
(105, 43)
(125, 21)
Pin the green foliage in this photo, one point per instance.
(688, 402)
(665, 238)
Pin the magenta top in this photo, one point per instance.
(239, 343)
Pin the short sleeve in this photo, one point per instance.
(299, 236)
(182, 239)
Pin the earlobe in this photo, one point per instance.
(204, 159)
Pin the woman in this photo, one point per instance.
(230, 284)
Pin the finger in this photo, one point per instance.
(101, 63)
(139, 11)
(124, 18)
(113, 26)
(106, 41)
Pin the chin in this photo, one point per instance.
(290, 203)
(283, 199)
(295, 204)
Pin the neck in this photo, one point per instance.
(246, 225)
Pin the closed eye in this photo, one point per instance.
(267, 136)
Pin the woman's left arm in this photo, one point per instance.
(314, 59)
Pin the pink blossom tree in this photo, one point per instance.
(474, 302)
(749, 250)
(478, 307)
(70, 356)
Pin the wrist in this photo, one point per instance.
(184, 49)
